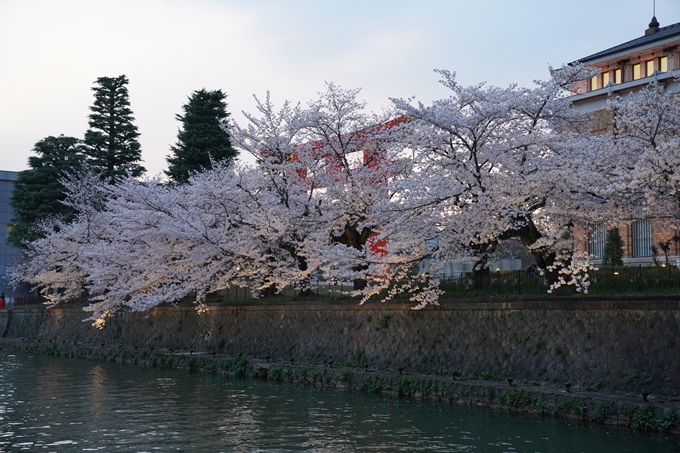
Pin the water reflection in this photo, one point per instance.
(65, 405)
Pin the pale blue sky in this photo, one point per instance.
(52, 51)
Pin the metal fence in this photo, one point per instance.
(606, 281)
(318, 287)
(636, 280)
(648, 280)
(28, 300)
(493, 284)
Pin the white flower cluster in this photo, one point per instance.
(353, 196)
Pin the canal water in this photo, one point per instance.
(70, 405)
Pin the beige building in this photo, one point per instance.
(625, 68)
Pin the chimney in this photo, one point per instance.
(653, 27)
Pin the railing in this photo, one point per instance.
(513, 283)
(28, 300)
(628, 280)
(319, 288)
(606, 281)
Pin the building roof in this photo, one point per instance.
(661, 33)
(8, 175)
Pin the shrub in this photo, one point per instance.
(612, 255)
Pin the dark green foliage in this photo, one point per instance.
(488, 376)
(305, 376)
(430, 387)
(288, 375)
(238, 366)
(346, 378)
(404, 385)
(612, 254)
(667, 420)
(541, 406)
(570, 406)
(274, 374)
(38, 192)
(514, 398)
(370, 384)
(111, 141)
(489, 392)
(643, 419)
(601, 412)
(200, 139)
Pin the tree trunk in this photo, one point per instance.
(529, 234)
(269, 291)
(351, 237)
(543, 262)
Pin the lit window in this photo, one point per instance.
(636, 71)
(663, 64)
(605, 79)
(617, 76)
(650, 67)
(593, 84)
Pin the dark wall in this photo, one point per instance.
(623, 345)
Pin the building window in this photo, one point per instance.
(649, 68)
(596, 240)
(636, 71)
(642, 238)
(593, 83)
(617, 76)
(605, 79)
(663, 64)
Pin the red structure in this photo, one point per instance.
(372, 159)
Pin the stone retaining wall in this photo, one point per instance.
(624, 345)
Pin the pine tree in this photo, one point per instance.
(38, 192)
(612, 255)
(200, 139)
(111, 141)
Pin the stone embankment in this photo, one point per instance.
(590, 359)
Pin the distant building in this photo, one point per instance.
(627, 67)
(624, 69)
(9, 255)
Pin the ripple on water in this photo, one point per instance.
(64, 405)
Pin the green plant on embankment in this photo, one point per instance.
(643, 419)
(514, 398)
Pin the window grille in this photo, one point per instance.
(642, 238)
(596, 240)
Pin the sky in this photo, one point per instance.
(51, 52)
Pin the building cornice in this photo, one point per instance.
(662, 77)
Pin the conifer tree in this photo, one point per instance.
(200, 139)
(612, 255)
(38, 192)
(111, 141)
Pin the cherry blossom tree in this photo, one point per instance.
(494, 164)
(264, 227)
(646, 138)
(353, 196)
(329, 163)
(54, 263)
